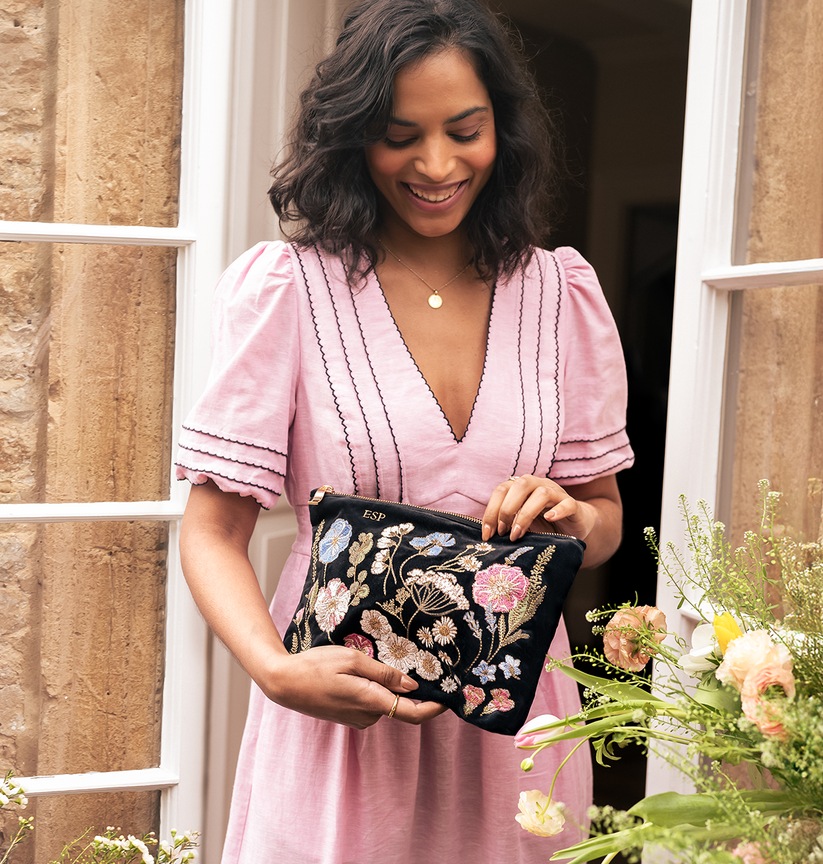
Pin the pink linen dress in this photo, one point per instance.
(312, 384)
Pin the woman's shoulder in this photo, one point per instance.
(570, 265)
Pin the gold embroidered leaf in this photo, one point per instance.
(360, 548)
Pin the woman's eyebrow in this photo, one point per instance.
(399, 121)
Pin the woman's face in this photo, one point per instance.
(440, 146)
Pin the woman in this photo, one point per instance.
(410, 344)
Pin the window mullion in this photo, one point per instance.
(772, 274)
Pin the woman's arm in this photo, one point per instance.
(331, 682)
(589, 511)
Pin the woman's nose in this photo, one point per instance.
(436, 159)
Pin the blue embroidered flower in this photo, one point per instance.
(491, 624)
(469, 618)
(518, 552)
(511, 667)
(335, 540)
(433, 544)
(485, 672)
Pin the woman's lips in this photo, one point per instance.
(434, 198)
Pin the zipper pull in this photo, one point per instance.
(319, 493)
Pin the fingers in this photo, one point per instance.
(415, 713)
(391, 678)
(517, 502)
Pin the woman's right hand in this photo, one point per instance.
(331, 682)
(335, 683)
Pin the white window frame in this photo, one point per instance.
(705, 279)
(201, 238)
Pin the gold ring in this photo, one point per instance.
(393, 707)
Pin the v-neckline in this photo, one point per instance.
(419, 372)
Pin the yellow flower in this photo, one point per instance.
(725, 629)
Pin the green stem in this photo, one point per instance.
(559, 768)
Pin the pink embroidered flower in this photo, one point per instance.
(749, 853)
(501, 701)
(539, 815)
(763, 712)
(397, 651)
(474, 696)
(332, 604)
(753, 649)
(500, 587)
(620, 639)
(359, 643)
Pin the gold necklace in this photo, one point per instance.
(435, 300)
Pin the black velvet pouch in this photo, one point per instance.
(470, 621)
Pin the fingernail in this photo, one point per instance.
(407, 684)
(487, 531)
(502, 528)
(549, 515)
(517, 532)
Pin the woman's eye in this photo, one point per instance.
(397, 142)
(473, 136)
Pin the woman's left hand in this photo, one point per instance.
(528, 503)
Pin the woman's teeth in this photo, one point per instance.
(433, 197)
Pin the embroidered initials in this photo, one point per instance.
(373, 515)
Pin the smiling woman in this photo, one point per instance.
(418, 165)
(439, 152)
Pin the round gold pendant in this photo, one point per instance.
(435, 301)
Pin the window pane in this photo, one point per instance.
(90, 130)
(778, 424)
(87, 359)
(63, 818)
(782, 147)
(82, 610)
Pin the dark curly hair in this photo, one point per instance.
(323, 185)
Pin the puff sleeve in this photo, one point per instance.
(237, 434)
(593, 442)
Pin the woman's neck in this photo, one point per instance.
(450, 252)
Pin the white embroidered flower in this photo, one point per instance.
(375, 624)
(450, 684)
(424, 635)
(379, 563)
(470, 563)
(397, 651)
(397, 530)
(332, 605)
(444, 630)
(428, 666)
(484, 547)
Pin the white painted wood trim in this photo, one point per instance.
(707, 209)
(120, 235)
(98, 781)
(771, 274)
(98, 511)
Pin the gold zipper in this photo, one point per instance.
(321, 491)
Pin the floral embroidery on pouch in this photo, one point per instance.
(474, 696)
(335, 540)
(413, 626)
(359, 643)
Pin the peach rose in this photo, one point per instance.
(763, 712)
(620, 639)
(749, 853)
(748, 651)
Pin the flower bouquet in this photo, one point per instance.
(739, 711)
